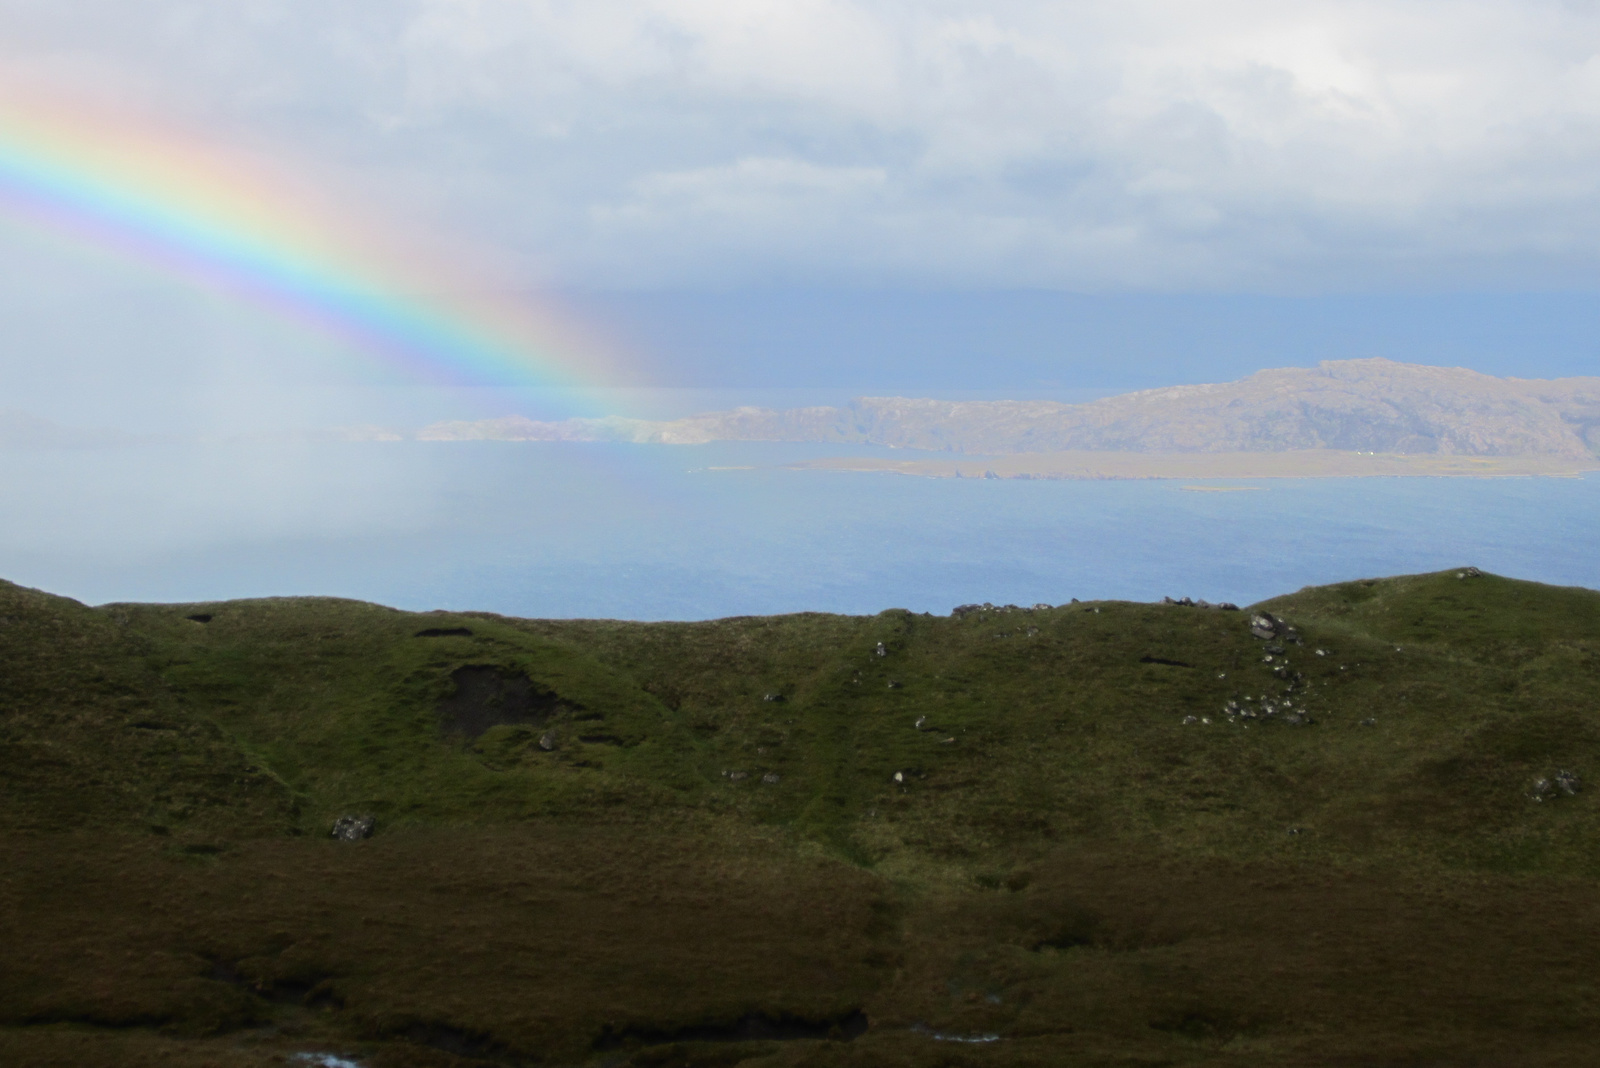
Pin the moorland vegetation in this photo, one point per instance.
(1348, 826)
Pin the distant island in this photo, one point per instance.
(1342, 418)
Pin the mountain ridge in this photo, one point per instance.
(1364, 405)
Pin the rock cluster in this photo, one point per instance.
(1562, 784)
(1266, 626)
(1189, 602)
(353, 828)
(961, 611)
(1282, 709)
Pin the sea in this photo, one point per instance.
(655, 532)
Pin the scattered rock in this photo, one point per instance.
(1041, 607)
(948, 741)
(772, 698)
(771, 778)
(1033, 632)
(900, 777)
(353, 828)
(882, 650)
(920, 721)
(1541, 789)
(1568, 783)
(1469, 572)
(894, 684)
(547, 741)
(1264, 625)
(1277, 650)
(1226, 606)
(200, 617)
(1369, 722)
(1191, 719)
(736, 776)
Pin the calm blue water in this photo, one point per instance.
(648, 532)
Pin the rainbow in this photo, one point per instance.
(233, 224)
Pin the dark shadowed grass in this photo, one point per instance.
(761, 841)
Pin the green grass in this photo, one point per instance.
(1055, 856)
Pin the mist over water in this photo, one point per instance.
(657, 532)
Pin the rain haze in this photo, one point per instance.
(251, 251)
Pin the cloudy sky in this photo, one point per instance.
(713, 179)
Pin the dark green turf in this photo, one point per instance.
(731, 843)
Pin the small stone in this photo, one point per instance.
(900, 776)
(1041, 607)
(353, 828)
(1322, 652)
(1541, 789)
(1191, 719)
(1369, 722)
(1568, 783)
(882, 650)
(547, 741)
(771, 778)
(737, 776)
(772, 698)
(920, 721)
(894, 684)
(948, 741)
(1276, 650)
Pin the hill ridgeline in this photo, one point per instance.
(1355, 825)
(1371, 405)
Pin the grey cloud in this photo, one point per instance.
(1152, 144)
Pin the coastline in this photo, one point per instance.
(1301, 463)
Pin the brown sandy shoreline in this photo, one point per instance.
(1303, 463)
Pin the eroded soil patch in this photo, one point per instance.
(488, 695)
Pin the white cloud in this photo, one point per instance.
(1152, 143)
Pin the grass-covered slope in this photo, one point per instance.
(1096, 833)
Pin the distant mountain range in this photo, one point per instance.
(1371, 405)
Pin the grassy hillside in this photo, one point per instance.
(1089, 834)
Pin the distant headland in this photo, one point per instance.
(1342, 418)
